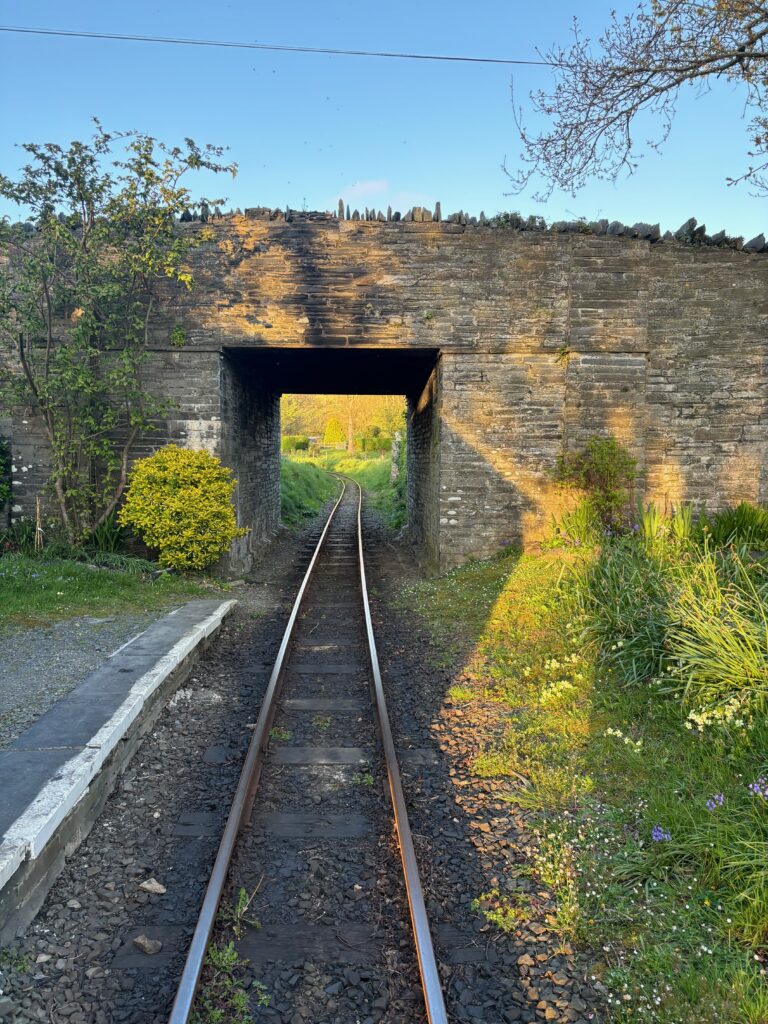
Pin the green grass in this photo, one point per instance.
(35, 590)
(591, 742)
(372, 472)
(304, 489)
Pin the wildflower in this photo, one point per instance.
(715, 801)
(660, 835)
(760, 787)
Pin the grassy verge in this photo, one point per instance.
(35, 590)
(304, 489)
(372, 472)
(652, 818)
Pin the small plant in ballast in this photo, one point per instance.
(179, 501)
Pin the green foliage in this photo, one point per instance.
(108, 535)
(622, 600)
(719, 636)
(238, 916)
(605, 471)
(223, 997)
(304, 489)
(373, 473)
(179, 501)
(334, 432)
(553, 641)
(294, 443)
(78, 299)
(5, 473)
(374, 441)
(578, 527)
(178, 336)
(507, 912)
(19, 537)
(746, 525)
(35, 589)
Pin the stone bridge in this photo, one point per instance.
(509, 345)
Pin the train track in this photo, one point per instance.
(326, 673)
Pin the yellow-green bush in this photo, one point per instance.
(179, 501)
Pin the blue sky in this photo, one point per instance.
(306, 129)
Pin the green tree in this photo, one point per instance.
(79, 289)
(642, 62)
(334, 432)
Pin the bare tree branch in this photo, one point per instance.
(642, 62)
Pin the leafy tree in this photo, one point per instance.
(78, 299)
(334, 432)
(643, 61)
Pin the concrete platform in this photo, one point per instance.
(56, 776)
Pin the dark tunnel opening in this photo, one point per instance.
(252, 382)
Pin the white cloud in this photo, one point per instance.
(380, 194)
(361, 190)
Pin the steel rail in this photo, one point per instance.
(241, 806)
(430, 977)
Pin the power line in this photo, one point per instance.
(274, 47)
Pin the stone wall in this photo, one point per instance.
(250, 444)
(423, 470)
(544, 338)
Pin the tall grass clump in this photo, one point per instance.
(718, 638)
(622, 602)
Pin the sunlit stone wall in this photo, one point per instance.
(545, 339)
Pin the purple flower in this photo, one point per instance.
(760, 787)
(660, 835)
(715, 801)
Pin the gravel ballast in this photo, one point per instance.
(108, 945)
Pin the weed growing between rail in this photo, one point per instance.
(227, 993)
(625, 694)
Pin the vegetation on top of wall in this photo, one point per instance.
(179, 501)
(637, 671)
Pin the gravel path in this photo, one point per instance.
(41, 665)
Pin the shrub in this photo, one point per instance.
(605, 471)
(294, 443)
(179, 501)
